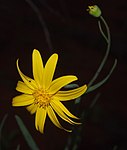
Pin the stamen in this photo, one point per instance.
(42, 98)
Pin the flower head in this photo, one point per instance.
(42, 95)
(94, 11)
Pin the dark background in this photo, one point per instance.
(75, 36)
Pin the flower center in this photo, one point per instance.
(42, 98)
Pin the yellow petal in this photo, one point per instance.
(71, 94)
(54, 119)
(28, 81)
(22, 87)
(40, 119)
(60, 112)
(60, 82)
(37, 67)
(59, 105)
(32, 108)
(49, 70)
(22, 100)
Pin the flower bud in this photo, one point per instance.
(94, 11)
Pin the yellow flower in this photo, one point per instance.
(42, 95)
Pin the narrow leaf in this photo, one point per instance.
(3, 122)
(31, 143)
(94, 87)
(18, 147)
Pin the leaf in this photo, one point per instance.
(94, 87)
(1, 127)
(18, 147)
(2, 123)
(31, 143)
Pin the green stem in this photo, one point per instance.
(107, 51)
(101, 30)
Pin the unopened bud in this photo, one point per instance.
(94, 11)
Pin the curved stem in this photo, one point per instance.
(106, 54)
(101, 30)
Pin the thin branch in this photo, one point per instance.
(43, 24)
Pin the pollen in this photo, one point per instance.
(42, 98)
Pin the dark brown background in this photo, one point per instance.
(75, 36)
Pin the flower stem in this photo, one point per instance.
(108, 40)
